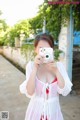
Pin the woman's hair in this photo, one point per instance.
(45, 37)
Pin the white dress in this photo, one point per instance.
(40, 107)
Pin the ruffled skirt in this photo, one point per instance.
(50, 109)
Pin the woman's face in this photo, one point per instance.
(41, 43)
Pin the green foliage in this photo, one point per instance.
(22, 26)
(3, 27)
(15, 31)
(76, 15)
(56, 15)
(1, 42)
(57, 54)
(28, 51)
(36, 24)
(27, 47)
(8, 37)
(5, 39)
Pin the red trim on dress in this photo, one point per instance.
(54, 80)
(47, 92)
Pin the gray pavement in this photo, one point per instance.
(13, 101)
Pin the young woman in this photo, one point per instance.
(44, 82)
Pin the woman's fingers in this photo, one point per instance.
(38, 62)
(39, 59)
(51, 64)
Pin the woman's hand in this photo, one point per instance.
(52, 67)
(38, 60)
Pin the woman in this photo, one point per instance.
(44, 82)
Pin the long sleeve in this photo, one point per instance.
(22, 87)
(67, 87)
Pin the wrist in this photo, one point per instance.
(57, 72)
(35, 68)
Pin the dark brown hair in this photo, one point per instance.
(47, 38)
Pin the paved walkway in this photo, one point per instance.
(11, 100)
